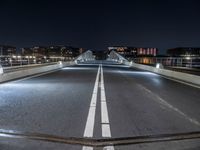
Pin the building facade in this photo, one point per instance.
(127, 52)
(133, 52)
(189, 56)
(147, 51)
(6, 54)
(42, 54)
(6, 50)
(184, 51)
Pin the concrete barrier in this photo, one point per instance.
(30, 65)
(32, 71)
(194, 79)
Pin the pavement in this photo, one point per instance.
(99, 100)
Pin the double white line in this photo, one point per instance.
(105, 125)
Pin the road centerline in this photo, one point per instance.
(89, 127)
(105, 125)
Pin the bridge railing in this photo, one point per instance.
(11, 61)
(86, 56)
(189, 62)
(114, 56)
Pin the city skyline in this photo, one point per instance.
(97, 25)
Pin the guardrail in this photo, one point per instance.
(30, 65)
(31, 71)
(16, 68)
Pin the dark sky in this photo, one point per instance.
(97, 24)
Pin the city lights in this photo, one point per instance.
(159, 66)
(1, 70)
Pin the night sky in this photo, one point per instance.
(97, 24)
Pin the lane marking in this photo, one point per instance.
(108, 148)
(105, 125)
(106, 130)
(90, 122)
(168, 105)
(104, 112)
(182, 82)
(87, 148)
(89, 127)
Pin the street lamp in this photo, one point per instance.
(1, 70)
(188, 57)
(159, 66)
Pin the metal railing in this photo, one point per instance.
(11, 61)
(189, 62)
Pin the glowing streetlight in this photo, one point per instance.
(1, 70)
(159, 66)
(188, 58)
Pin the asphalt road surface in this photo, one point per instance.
(98, 101)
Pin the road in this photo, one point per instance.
(98, 101)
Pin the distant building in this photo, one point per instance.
(53, 53)
(72, 52)
(26, 51)
(6, 54)
(37, 51)
(188, 56)
(184, 51)
(6, 50)
(67, 52)
(56, 51)
(127, 52)
(39, 54)
(132, 52)
(147, 51)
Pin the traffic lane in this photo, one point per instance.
(182, 96)
(55, 103)
(173, 145)
(177, 94)
(133, 111)
(24, 144)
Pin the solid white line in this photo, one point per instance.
(90, 122)
(104, 114)
(183, 82)
(106, 130)
(168, 105)
(91, 115)
(89, 127)
(108, 148)
(87, 148)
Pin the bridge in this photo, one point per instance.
(99, 104)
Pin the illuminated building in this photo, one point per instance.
(184, 51)
(127, 52)
(6, 53)
(132, 52)
(51, 53)
(147, 51)
(6, 50)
